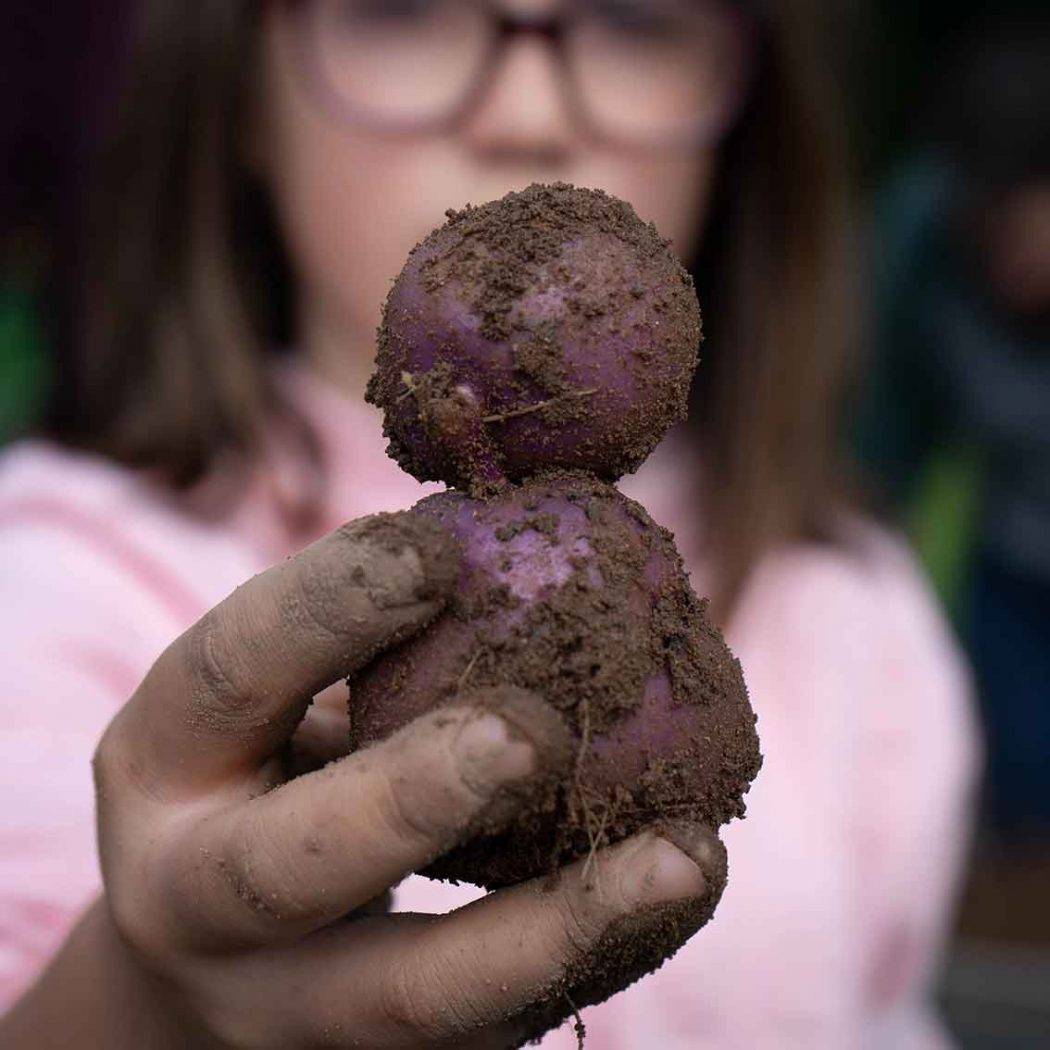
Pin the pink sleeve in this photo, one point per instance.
(917, 765)
(78, 632)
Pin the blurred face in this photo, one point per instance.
(1015, 238)
(378, 115)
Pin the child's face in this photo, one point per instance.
(353, 202)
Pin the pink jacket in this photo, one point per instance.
(841, 877)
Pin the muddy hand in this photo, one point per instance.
(237, 897)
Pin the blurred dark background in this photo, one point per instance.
(950, 105)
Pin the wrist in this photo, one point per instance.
(98, 993)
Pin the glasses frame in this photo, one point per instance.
(553, 29)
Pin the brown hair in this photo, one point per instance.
(188, 290)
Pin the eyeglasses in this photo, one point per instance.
(649, 73)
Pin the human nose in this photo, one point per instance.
(525, 111)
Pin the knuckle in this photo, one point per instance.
(580, 922)
(259, 878)
(417, 811)
(117, 769)
(428, 1003)
(317, 601)
(220, 696)
(135, 920)
(281, 873)
(273, 877)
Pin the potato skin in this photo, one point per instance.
(570, 590)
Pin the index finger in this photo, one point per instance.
(229, 692)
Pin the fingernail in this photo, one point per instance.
(488, 753)
(423, 558)
(659, 871)
(436, 554)
(702, 844)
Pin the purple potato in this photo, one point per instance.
(549, 329)
(570, 590)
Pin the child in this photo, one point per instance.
(275, 163)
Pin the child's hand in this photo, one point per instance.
(256, 903)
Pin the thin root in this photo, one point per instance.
(596, 840)
(578, 1027)
(580, 793)
(410, 387)
(466, 670)
(500, 417)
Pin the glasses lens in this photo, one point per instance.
(399, 60)
(651, 70)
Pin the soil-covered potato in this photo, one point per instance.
(549, 329)
(569, 589)
(532, 351)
